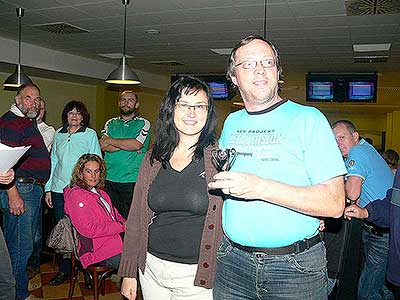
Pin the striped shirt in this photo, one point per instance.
(18, 131)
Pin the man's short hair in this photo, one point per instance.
(26, 85)
(348, 124)
(245, 41)
(129, 92)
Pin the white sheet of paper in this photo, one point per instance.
(9, 156)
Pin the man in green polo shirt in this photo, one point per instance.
(124, 141)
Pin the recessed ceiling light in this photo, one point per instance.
(371, 47)
(152, 31)
(222, 51)
(114, 55)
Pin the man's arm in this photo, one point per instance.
(108, 148)
(122, 144)
(326, 199)
(353, 188)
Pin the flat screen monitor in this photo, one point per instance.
(219, 86)
(362, 91)
(320, 91)
(219, 90)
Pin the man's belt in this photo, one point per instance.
(295, 248)
(30, 180)
(375, 230)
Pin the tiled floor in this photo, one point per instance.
(61, 292)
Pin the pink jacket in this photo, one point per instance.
(99, 231)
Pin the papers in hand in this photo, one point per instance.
(10, 155)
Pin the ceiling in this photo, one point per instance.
(311, 35)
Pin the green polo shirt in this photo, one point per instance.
(122, 165)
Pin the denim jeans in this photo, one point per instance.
(19, 232)
(63, 262)
(34, 260)
(259, 276)
(112, 262)
(371, 285)
(7, 281)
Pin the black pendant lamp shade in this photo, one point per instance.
(18, 78)
(123, 74)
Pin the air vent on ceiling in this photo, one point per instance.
(168, 63)
(371, 59)
(372, 7)
(60, 28)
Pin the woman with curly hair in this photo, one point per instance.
(72, 140)
(91, 212)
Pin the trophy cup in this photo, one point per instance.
(223, 159)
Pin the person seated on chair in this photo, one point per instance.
(97, 222)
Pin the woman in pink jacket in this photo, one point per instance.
(98, 223)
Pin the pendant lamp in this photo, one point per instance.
(123, 74)
(18, 78)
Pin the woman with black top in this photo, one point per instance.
(174, 225)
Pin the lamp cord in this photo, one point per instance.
(265, 18)
(125, 5)
(19, 40)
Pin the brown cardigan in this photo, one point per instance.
(140, 217)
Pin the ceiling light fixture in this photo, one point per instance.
(18, 78)
(123, 74)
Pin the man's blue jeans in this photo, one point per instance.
(34, 260)
(19, 232)
(371, 285)
(257, 276)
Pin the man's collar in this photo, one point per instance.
(16, 111)
(128, 119)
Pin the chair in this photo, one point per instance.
(98, 273)
(64, 238)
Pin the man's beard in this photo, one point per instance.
(28, 113)
(127, 112)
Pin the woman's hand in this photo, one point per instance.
(129, 288)
(48, 200)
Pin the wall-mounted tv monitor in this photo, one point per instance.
(341, 87)
(361, 91)
(320, 91)
(220, 88)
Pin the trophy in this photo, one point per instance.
(223, 159)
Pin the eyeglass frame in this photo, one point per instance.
(255, 62)
(184, 107)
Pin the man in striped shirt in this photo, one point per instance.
(21, 199)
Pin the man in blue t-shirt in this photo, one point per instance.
(287, 173)
(368, 179)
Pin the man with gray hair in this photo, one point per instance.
(124, 140)
(279, 184)
(21, 200)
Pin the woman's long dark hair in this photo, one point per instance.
(167, 136)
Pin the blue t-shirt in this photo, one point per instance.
(289, 143)
(365, 162)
